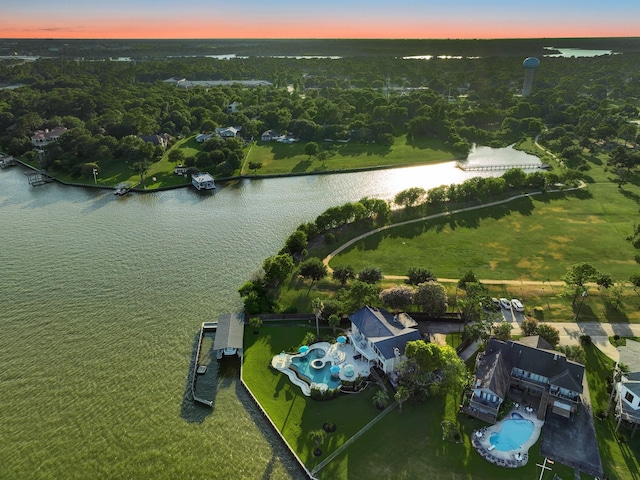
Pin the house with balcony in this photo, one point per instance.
(528, 372)
(380, 337)
(626, 390)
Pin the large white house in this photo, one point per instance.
(626, 391)
(40, 138)
(381, 337)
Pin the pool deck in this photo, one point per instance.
(512, 458)
(340, 354)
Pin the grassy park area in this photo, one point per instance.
(280, 158)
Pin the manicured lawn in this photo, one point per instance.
(294, 414)
(619, 458)
(278, 158)
(409, 445)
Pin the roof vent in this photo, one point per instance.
(555, 356)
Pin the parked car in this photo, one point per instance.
(517, 306)
(506, 304)
(491, 304)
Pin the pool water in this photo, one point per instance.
(513, 434)
(315, 375)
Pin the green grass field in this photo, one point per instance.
(279, 158)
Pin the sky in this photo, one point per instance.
(319, 19)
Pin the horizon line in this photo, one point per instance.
(323, 38)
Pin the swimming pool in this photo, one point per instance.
(513, 434)
(313, 374)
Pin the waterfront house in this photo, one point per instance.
(527, 371)
(40, 138)
(381, 337)
(203, 181)
(626, 390)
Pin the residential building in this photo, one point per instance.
(626, 395)
(381, 337)
(527, 371)
(158, 140)
(233, 107)
(40, 138)
(268, 135)
(626, 390)
(228, 132)
(180, 169)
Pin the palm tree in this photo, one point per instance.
(318, 306)
(380, 399)
(401, 396)
(334, 321)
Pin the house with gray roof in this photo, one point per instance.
(527, 371)
(380, 337)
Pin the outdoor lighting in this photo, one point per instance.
(95, 173)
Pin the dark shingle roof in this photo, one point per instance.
(494, 369)
(385, 330)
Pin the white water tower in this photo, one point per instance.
(529, 64)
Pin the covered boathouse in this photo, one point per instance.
(229, 335)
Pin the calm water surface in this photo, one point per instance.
(100, 301)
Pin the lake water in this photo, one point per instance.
(101, 300)
(577, 52)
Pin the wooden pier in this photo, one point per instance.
(526, 166)
(197, 370)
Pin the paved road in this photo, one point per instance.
(570, 333)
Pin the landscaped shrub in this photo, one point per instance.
(538, 312)
(309, 338)
(324, 394)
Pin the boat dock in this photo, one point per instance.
(36, 178)
(198, 369)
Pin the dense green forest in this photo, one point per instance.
(576, 104)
